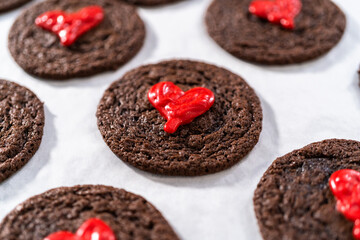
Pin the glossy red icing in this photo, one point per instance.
(69, 27)
(345, 185)
(179, 107)
(281, 12)
(92, 229)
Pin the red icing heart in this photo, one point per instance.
(179, 107)
(92, 229)
(345, 185)
(281, 12)
(70, 27)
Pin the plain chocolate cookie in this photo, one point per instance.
(106, 47)
(65, 209)
(214, 141)
(293, 199)
(6, 5)
(318, 28)
(150, 2)
(21, 127)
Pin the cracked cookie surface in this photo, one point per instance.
(130, 216)
(106, 47)
(293, 199)
(21, 127)
(214, 141)
(318, 28)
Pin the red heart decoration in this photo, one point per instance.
(179, 107)
(281, 12)
(92, 229)
(345, 185)
(70, 27)
(356, 230)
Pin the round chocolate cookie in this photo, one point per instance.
(6, 5)
(293, 199)
(67, 208)
(21, 127)
(214, 141)
(106, 47)
(150, 2)
(318, 28)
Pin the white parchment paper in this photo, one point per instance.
(301, 104)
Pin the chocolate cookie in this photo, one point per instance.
(106, 47)
(65, 209)
(150, 2)
(318, 28)
(214, 141)
(6, 5)
(293, 199)
(21, 127)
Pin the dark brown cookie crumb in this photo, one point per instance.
(106, 47)
(21, 127)
(319, 27)
(293, 199)
(214, 141)
(6, 5)
(129, 216)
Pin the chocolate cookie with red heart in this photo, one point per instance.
(79, 212)
(297, 199)
(180, 117)
(62, 39)
(21, 127)
(275, 32)
(6, 5)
